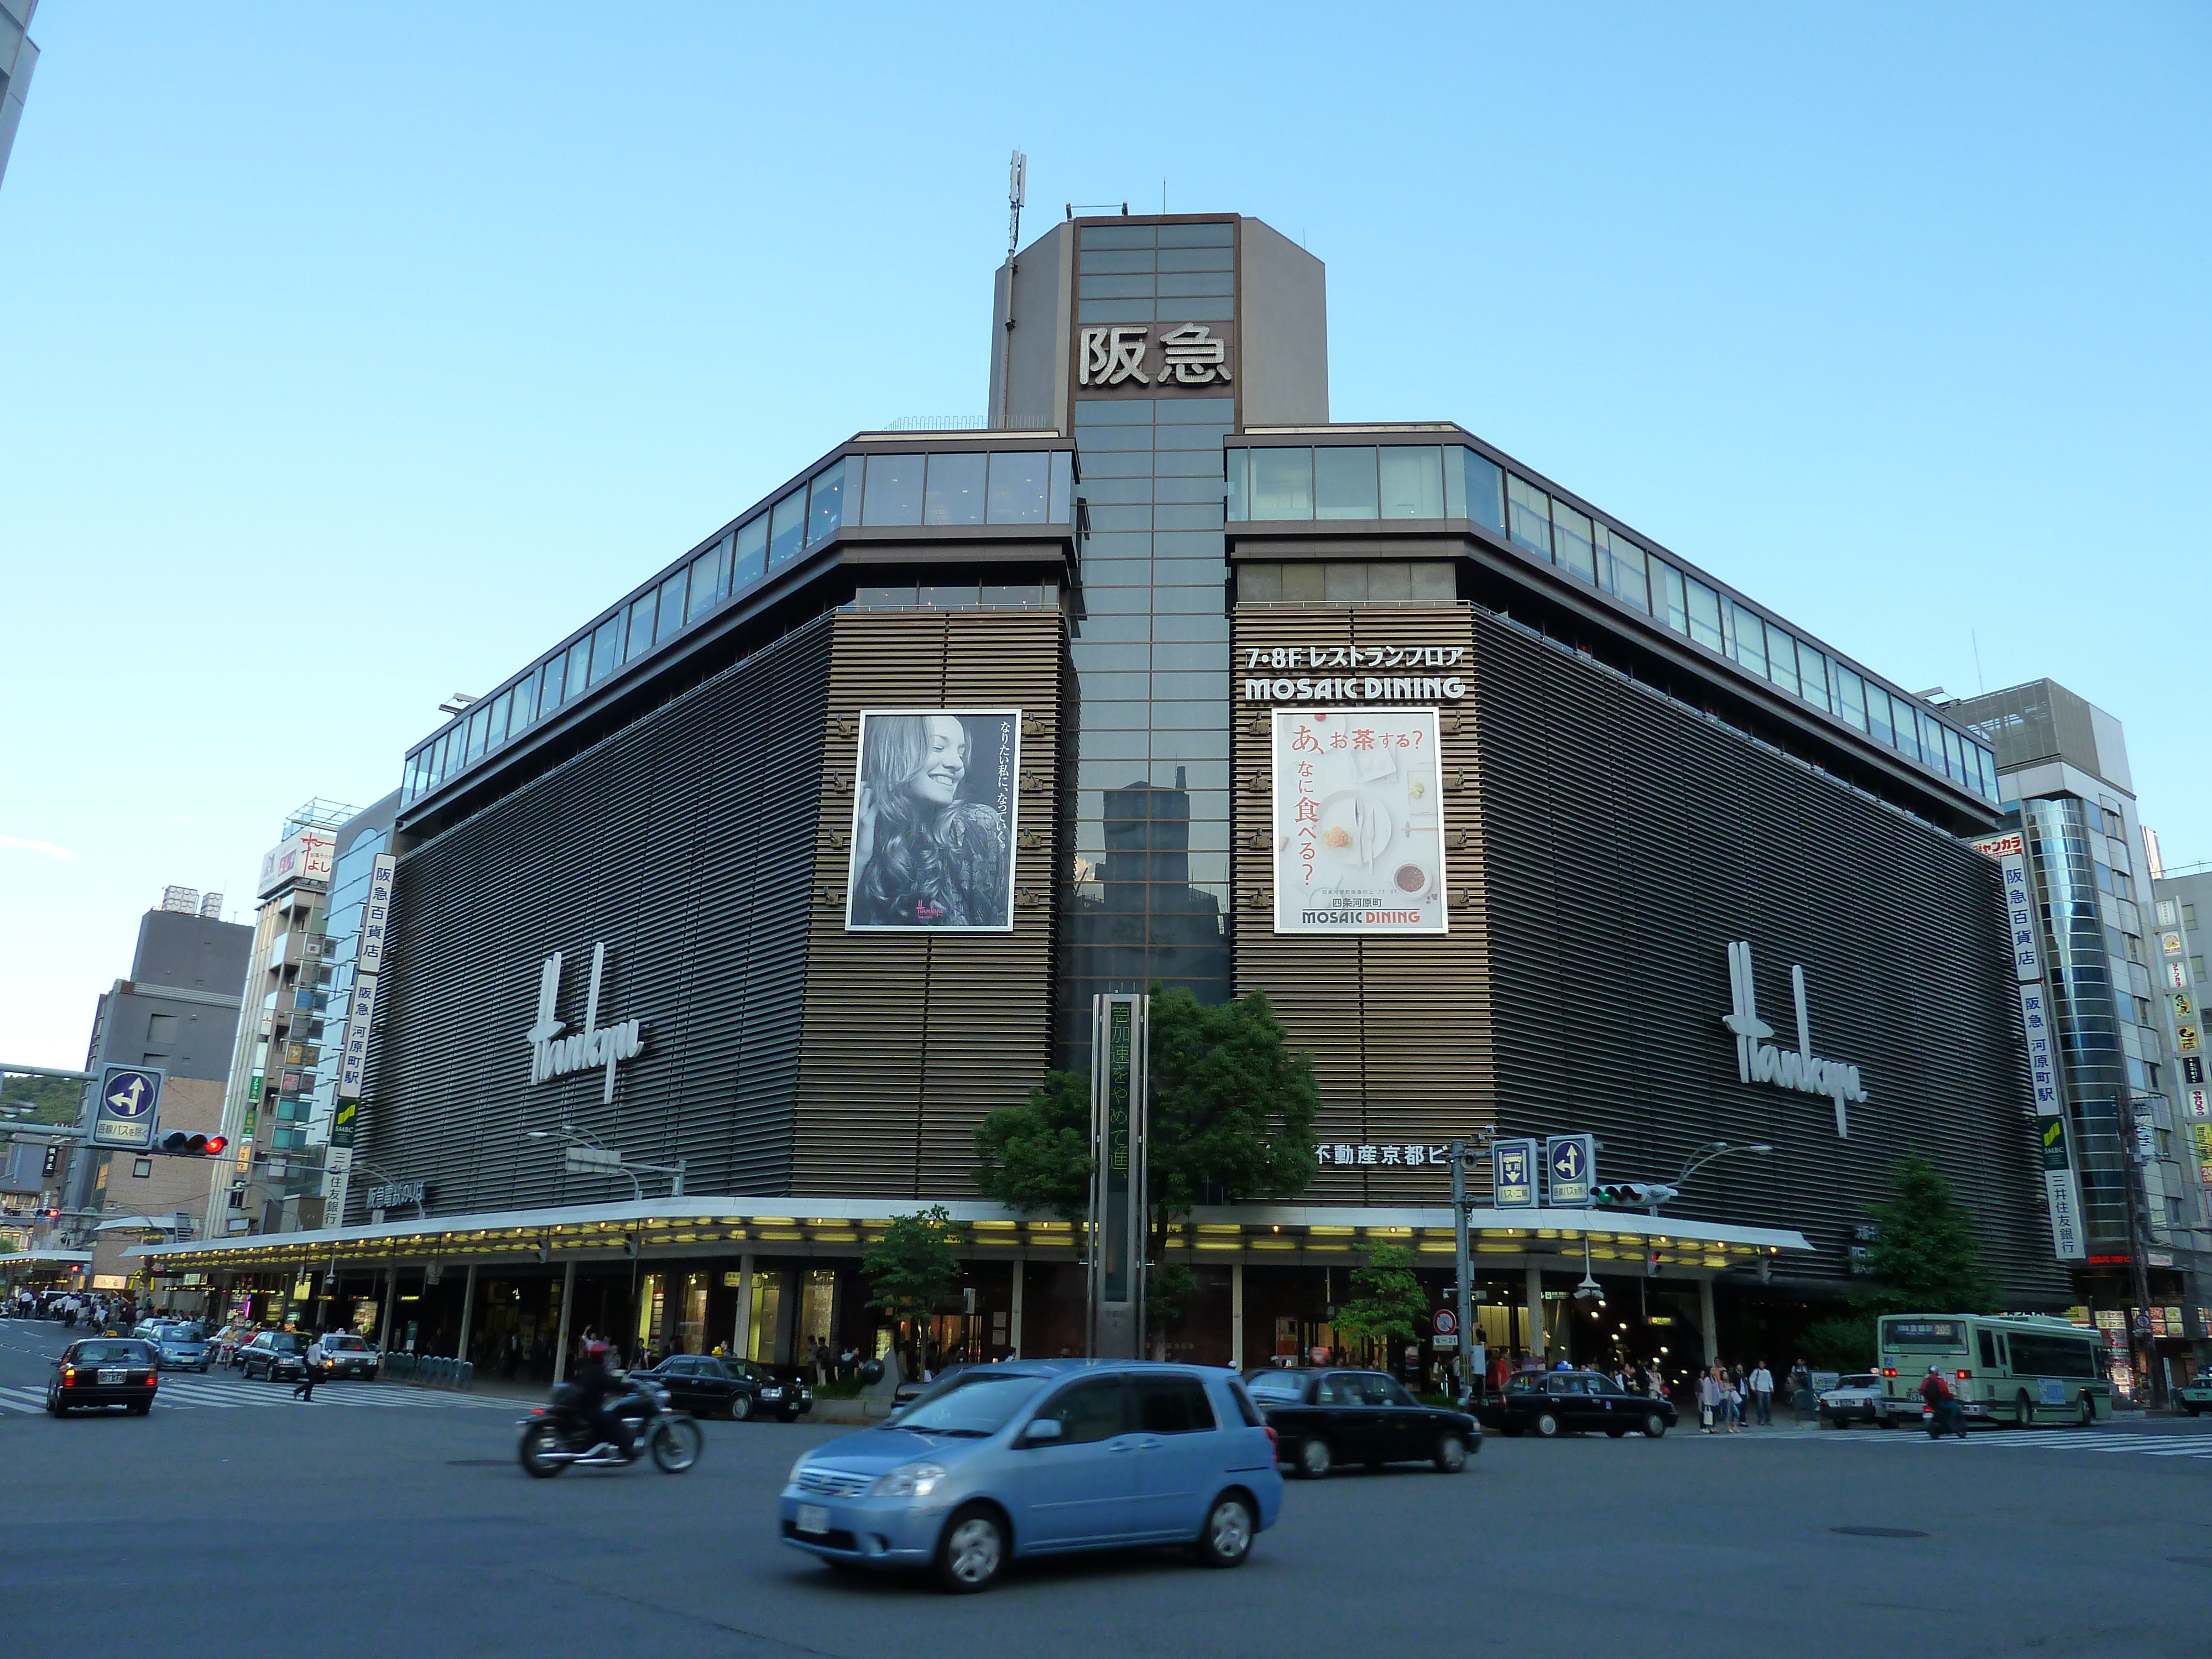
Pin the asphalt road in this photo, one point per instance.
(275, 1528)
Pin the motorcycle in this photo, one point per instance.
(561, 1433)
(1946, 1419)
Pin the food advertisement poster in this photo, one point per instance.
(1359, 832)
(934, 797)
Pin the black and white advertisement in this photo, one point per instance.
(933, 807)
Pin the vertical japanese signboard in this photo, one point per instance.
(1117, 1188)
(1359, 821)
(2061, 1193)
(1513, 1175)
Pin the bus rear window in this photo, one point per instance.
(1924, 1333)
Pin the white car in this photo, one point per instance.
(1854, 1399)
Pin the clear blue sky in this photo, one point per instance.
(353, 354)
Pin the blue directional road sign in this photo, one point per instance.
(128, 1106)
(1569, 1170)
(1513, 1174)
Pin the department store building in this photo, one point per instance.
(792, 863)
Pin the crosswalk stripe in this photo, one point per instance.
(2105, 1440)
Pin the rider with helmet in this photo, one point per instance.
(1935, 1390)
(596, 1385)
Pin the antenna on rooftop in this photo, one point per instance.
(1017, 187)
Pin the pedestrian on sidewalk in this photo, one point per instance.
(1762, 1394)
(1709, 1397)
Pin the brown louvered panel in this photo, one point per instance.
(912, 1037)
(1398, 1027)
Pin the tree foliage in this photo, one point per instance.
(1838, 1345)
(1036, 1156)
(1391, 1302)
(913, 1267)
(1924, 1259)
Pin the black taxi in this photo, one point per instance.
(1324, 1418)
(105, 1370)
(1548, 1404)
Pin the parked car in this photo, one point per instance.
(1041, 1457)
(182, 1346)
(1854, 1399)
(105, 1370)
(345, 1354)
(708, 1385)
(2195, 1397)
(277, 1355)
(1322, 1418)
(783, 1390)
(1548, 1404)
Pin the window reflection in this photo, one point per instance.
(894, 492)
(787, 528)
(1344, 483)
(1282, 483)
(1018, 483)
(1528, 511)
(749, 561)
(825, 503)
(955, 491)
(1412, 481)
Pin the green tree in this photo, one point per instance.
(1924, 1259)
(912, 1268)
(1838, 1345)
(1391, 1302)
(50, 1099)
(1231, 1117)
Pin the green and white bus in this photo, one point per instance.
(2015, 1369)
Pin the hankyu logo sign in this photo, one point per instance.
(554, 1051)
(1122, 355)
(1760, 1061)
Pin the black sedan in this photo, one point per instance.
(708, 1385)
(1548, 1404)
(103, 1371)
(1323, 1418)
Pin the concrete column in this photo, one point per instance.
(1705, 1318)
(1236, 1316)
(1538, 1349)
(741, 1340)
(1014, 1317)
(567, 1304)
(391, 1299)
(468, 1311)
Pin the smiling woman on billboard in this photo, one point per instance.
(933, 821)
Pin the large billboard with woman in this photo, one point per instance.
(933, 806)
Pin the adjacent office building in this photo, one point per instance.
(177, 1011)
(19, 56)
(2115, 984)
(795, 861)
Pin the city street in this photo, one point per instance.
(410, 1529)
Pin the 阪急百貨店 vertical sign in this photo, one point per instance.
(1359, 821)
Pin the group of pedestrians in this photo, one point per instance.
(1729, 1394)
(74, 1308)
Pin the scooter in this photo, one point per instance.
(562, 1434)
(1933, 1418)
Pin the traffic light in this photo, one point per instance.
(1632, 1194)
(179, 1143)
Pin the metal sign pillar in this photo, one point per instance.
(1119, 1042)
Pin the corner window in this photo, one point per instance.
(1620, 569)
(1850, 696)
(1812, 676)
(640, 628)
(576, 670)
(1412, 482)
(1782, 659)
(606, 647)
(1344, 483)
(1674, 597)
(1481, 490)
(670, 621)
(1572, 541)
(787, 528)
(1282, 483)
(825, 503)
(1705, 614)
(749, 561)
(707, 573)
(1018, 486)
(1237, 468)
(503, 708)
(894, 492)
(1528, 512)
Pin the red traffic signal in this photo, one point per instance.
(179, 1143)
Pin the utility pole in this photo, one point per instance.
(1461, 1157)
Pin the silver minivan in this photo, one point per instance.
(1029, 1458)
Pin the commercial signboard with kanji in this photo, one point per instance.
(1359, 822)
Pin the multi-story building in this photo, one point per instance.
(272, 1180)
(178, 1011)
(2063, 764)
(805, 855)
(2183, 922)
(19, 56)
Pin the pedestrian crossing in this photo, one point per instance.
(235, 1394)
(2125, 1442)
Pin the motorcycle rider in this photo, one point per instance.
(1936, 1392)
(597, 1384)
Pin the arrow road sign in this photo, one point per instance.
(127, 1106)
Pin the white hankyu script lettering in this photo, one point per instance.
(1760, 1061)
(552, 1055)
